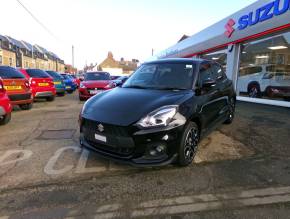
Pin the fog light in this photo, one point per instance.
(160, 148)
(165, 137)
(153, 152)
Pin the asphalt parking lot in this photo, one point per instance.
(241, 170)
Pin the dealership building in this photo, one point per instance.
(253, 45)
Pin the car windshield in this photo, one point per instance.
(55, 75)
(97, 76)
(37, 73)
(175, 76)
(65, 76)
(7, 73)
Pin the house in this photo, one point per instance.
(118, 67)
(22, 54)
(27, 53)
(7, 52)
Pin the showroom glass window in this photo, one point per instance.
(265, 68)
(219, 56)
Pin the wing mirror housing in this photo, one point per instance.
(208, 83)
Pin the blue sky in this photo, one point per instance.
(128, 28)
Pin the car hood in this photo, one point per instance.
(95, 84)
(125, 106)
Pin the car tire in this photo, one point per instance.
(81, 98)
(254, 90)
(50, 99)
(70, 91)
(5, 119)
(27, 106)
(189, 144)
(61, 94)
(231, 112)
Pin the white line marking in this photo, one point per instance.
(26, 154)
(81, 166)
(49, 167)
(196, 203)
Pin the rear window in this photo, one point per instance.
(37, 73)
(7, 73)
(97, 76)
(55, 75)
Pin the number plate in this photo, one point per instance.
(100, 138)
(13, 87)
(57, 82)
(68, 87)
(43, 84)
(94, 91)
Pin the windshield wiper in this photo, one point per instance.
(171, 88)
(136, 86)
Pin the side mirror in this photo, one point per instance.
(208, 83)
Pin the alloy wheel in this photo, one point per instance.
(191, 142)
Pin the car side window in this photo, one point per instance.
(218, 73)
(205, 73)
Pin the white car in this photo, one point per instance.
(265, 80)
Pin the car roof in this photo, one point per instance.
(176, 60)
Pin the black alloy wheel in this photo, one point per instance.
(231, 112)
(189, 144)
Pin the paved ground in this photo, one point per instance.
(241, 171)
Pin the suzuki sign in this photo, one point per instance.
(262, 14)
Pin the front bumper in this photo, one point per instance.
(135, 148)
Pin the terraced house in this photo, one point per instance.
(22, 54)
(7, 52)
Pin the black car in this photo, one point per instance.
(120, 81)
(160, 114)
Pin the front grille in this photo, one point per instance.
(119, 141)
(92, 89)
(17, 97)
(108, 129)
(120, 151)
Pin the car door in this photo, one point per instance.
(207, 97)
(223, 86)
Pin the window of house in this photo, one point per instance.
(10, 61)
(265, 68)
(1, 62)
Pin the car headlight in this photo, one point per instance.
(159, 118)
(82, 86)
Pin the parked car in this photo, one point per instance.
(76, 80)
(58, 82)
(5, 105)
(265, 80)
(160, 114)
(94, 83)
(70, 86)
(17, 87)
(41, 84)
(120, 81)
(114, 77)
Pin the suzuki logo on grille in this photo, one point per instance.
(101, 128)
(230, 28)
(13, 83)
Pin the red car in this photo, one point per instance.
(41, 83)
(94, 83)
(17, 87)
(5, 105)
